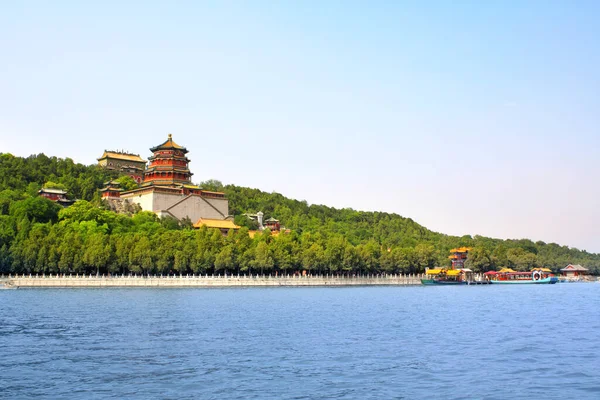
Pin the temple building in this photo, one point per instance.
(273, 224)
(167, 189)
(56, 195)
(574, 271)
(459, 256)
(111, 190)
(126, 163)
(224, 225)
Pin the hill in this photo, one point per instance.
(38, 236)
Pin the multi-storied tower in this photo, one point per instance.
(459, 256)
(168, 166)
(167, 188)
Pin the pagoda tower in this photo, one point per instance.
(459, 256)
(168, 191)
(168, 166)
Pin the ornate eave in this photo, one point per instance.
(169, 145)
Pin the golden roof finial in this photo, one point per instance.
(170, 136)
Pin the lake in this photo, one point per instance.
(488, 342)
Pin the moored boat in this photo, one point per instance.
(537, 276)
(445, 276)
(455, 275)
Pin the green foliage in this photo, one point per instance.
(243, 220)
(54, 185)
(212, 185)
(127, 182)
(38, 209)
(38, 236)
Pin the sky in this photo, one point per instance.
(470, 117)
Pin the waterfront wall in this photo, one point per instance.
(205, 281)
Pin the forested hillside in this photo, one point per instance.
(38, 236)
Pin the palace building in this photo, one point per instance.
(126, 163)
(56, 195)
(111, 190)
(167, 190)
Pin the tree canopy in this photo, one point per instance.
(38, 236)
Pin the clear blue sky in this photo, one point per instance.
(471, 117)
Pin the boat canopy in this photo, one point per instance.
(491, 273)
(453, 272)
(433, 271)
(545, 270)
(507, 270)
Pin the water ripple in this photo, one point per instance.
(301, 343)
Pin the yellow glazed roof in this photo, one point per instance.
(216, 223)
(460, 250)
(122, 156)
(169, 144)
(211, 192)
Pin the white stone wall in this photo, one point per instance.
(180, 206)
(206, 281)
(196, 207)
(146, 201)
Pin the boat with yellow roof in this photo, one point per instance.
(445, 276)
(457, 274)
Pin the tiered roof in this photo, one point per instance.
(169, 145)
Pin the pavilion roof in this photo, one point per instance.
(572, 267)
(460, 250)
(169, 144)
(53, 191)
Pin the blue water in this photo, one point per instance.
(495, 342)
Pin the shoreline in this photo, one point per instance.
(27, 281)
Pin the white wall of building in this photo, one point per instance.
(181, 206)
(146, 201)
(196, 207)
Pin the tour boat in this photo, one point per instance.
(455, 275)
(445, 277)
(513, 277)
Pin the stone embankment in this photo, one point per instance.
(16, 281)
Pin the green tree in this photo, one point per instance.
(313, 258)
(263, 259)
(38, 209)
(140, 258)
(97, 252)
(126, 182)
(212, 185)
